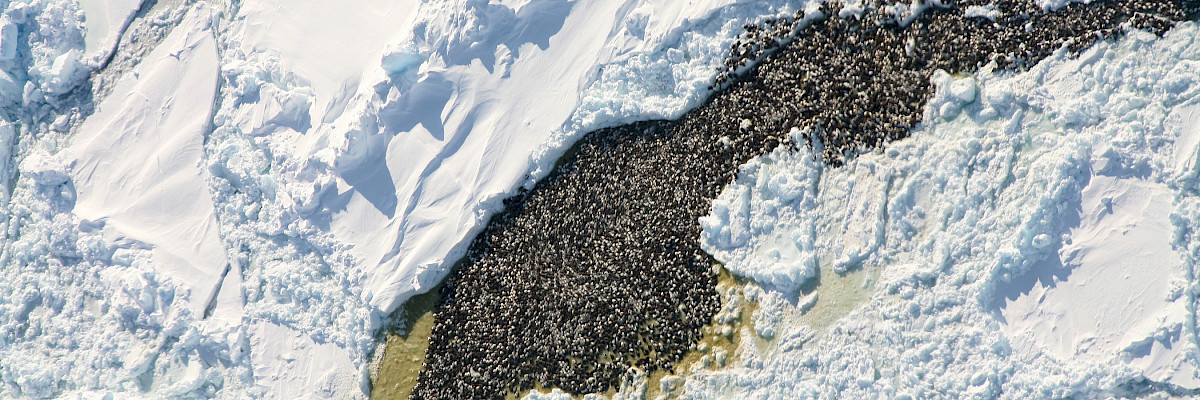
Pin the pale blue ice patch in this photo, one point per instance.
(401, 60)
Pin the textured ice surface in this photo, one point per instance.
(105, 21)
(399, 137)
(1057, 4)
(235, 199)
(374, 163)
(348, 177)
(136, 164)
(987, 11)
(764, 228)
(1035, 238)
(352, 147)
(115, 274)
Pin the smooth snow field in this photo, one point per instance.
(211, 199)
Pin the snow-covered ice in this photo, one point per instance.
(116, 277)
(1035, 237)
(1115, 289)
(242, 191)
(986, 11)
(136, 164)
(406, 161)
(289, 364)
(232, 205)
(105, 21)
(379, 156)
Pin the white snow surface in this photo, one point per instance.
(986, 11)
(1058, 4)
(399, 137)
(1036, 237)
(232, 206)
(113, 260)
(105, 21)
(351, 176)
(234, 209)
(136, 164)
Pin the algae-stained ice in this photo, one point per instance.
(552, 199)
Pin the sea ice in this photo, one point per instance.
(116, 277)
(105, 21)
(136, 165)
(1036, 239)
(376, 149)
(986, 11)
(257, 183)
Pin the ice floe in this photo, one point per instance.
(105, 21)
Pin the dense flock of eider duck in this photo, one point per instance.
(598, 268)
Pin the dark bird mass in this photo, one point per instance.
(598, 268)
